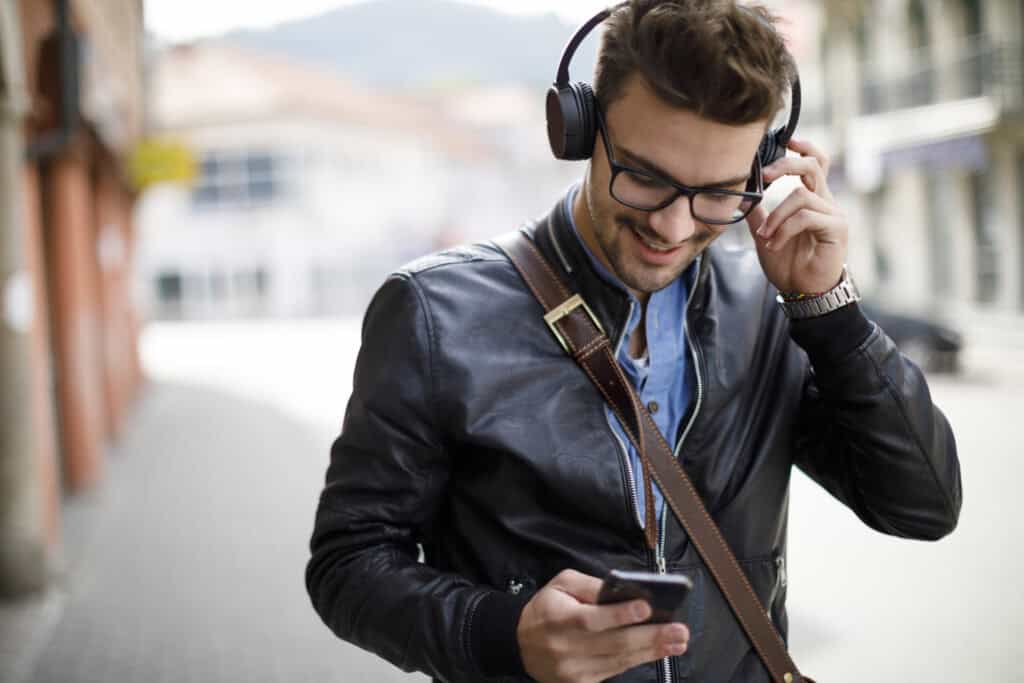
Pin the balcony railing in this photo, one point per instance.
(982, 67)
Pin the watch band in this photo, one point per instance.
(843, 294)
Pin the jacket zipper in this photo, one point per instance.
(780, 582)
(695, 353)
(623, 452)
(659, 554)
(659, 551)
(659, 558)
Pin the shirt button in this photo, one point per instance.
(652, 407)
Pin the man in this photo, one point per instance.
(471, 434)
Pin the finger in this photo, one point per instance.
(756, 218)
(799, 198)
(652, 650)
(599, 618)
(608, 667)
(580, 586)
(637, 638)
(809, 149)
(808, 168)
(826, 228)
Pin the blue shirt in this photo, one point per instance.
(660, 377)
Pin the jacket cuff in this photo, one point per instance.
(829, 338)
(493, 644)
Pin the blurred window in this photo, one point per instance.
(232, 179)
(920, 85)
(940, 238)
(972, 17)
(259, 279)
(218, 285)
(169, 295)
(168, 287)
(918, 24)
(976, 67)
(1020, 215)
(986, 261)
(250, 291)
(870, 90)
(876, 215)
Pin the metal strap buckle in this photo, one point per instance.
(565, 308)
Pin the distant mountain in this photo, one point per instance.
(426, 43)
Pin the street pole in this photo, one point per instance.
(23, 542)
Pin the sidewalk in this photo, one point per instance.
(191, 566)
(188, 564)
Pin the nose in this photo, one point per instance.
(674, 223)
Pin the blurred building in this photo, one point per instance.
(305, 182)
(71, 105)
(926, 108)
(310, 189)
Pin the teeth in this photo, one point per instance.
(651, 245)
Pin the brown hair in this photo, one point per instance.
(716, 58)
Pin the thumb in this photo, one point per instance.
(580, 586)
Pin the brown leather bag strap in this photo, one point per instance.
(580, 334)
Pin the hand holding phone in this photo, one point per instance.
(562, 628)
(665, 593)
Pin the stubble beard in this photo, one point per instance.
(614, 230)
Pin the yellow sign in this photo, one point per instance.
(161, 161)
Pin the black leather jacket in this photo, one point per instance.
(472, 434)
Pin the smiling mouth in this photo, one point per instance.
(653, 246)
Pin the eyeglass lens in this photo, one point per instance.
(648, 193)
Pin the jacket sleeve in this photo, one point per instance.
(868, 431)
(384, 486)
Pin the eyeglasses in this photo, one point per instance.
(646, 191)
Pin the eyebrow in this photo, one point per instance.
(649, 165)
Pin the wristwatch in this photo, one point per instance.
(800, 306)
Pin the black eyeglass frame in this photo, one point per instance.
(680, 189)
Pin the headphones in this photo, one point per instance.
(572, 108)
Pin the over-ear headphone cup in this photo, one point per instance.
(558, 120)
(588, 110)
(770, 150)
(571, 115)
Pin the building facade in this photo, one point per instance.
(297, 192)
(72, 106)
(926, 107)
(310, 189)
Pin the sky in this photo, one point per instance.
(182, 20)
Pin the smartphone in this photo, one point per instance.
(665, 593)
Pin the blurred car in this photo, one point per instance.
(931, 345)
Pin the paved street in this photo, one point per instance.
(187, 564)
(194, 567)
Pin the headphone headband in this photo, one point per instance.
(571, 107)
(562, 77)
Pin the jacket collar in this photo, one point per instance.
(554, 236)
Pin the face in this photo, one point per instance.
(648, 250)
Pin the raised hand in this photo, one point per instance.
(802, 243)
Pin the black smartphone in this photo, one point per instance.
(665, 593)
